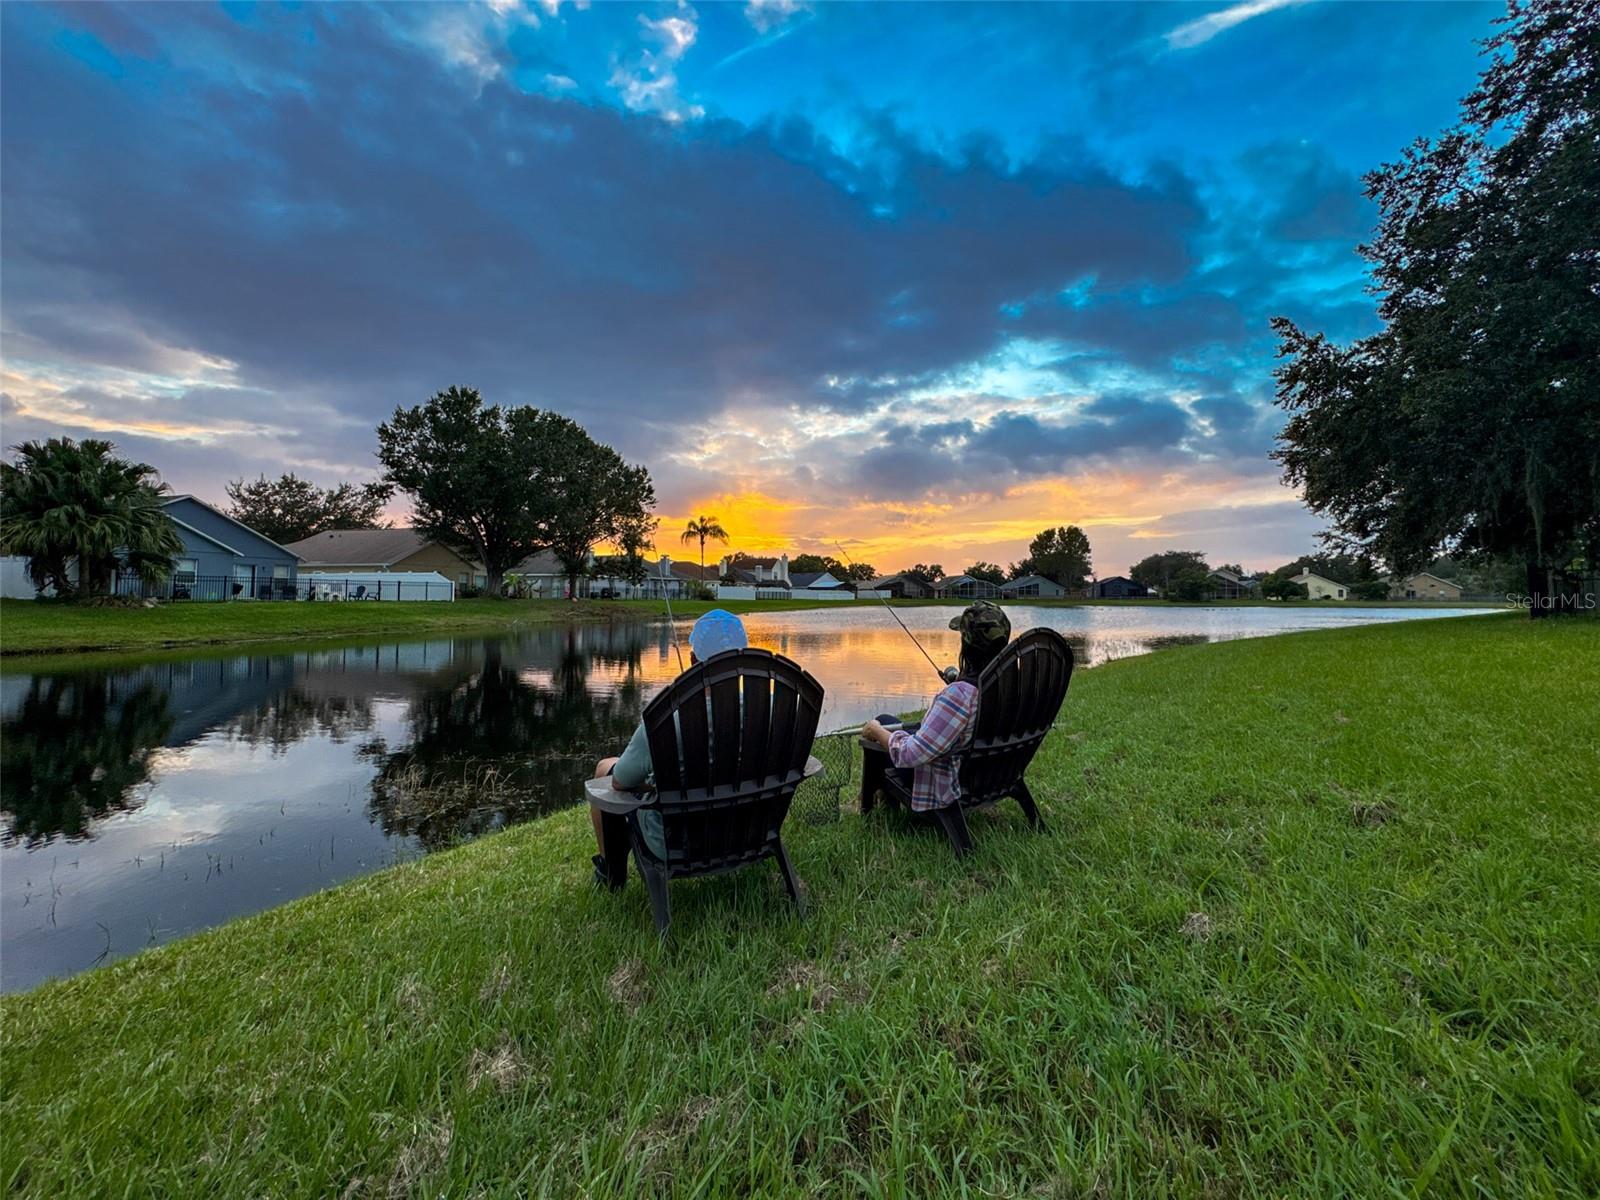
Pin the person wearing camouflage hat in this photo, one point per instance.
(931, 749)
(985, 629)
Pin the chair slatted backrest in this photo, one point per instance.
(1019, 694)
(729, 741)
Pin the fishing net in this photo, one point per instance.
(821, 798)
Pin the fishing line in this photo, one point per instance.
(937, 669)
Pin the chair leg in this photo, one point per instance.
(655, 883)
(790, 879)
(954, 823)
(1029, 809)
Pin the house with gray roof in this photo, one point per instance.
(343, 551)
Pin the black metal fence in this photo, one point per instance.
(203, 588)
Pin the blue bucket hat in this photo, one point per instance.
(717, 632)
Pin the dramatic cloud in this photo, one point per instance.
(234, 240)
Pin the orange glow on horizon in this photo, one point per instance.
(1126, 515)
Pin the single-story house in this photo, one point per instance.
(225, 559)
(816, 581)
(1226, 585)
(1032, 587)
(340, 551)
(966, 587)
(1119, 587)
(662, 578)
(1320, 588)
(901, 586)
(1424, 586)
(542, 577)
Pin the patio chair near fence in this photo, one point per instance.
(730, 742)
(1019, 695)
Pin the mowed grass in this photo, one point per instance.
(1317, 915)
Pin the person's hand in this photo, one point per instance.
(874, 731)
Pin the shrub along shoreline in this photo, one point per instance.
(29, 627)
(1317, 915)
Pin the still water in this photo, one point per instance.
(144, 802)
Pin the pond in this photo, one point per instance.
(147, 801)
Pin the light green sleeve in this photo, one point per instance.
(634, 772)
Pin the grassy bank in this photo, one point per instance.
(30, 627)
(1318, 915)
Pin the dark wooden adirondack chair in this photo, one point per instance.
(1019, 694)
(730, 742)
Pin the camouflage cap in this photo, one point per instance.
(983, 623)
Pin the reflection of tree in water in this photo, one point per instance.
(294, 715)
(498, 748)
(74, 752)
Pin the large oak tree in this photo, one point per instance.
(1470, 423)
(499, 484)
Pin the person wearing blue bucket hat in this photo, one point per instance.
(717, 632)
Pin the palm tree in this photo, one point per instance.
(63, 502)
(701, 528)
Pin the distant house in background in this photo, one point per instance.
(1119, 587)
(1032, 587)
(662, 578)
(1423, 586)
(1320, 588)
(223, 559)
(343, 551)
(1225, 585)
(542, 577)
(966, 587)
(901, 586)
(755, 572)
(816, 581)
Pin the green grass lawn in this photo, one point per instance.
(32, 627)
(1318, 915)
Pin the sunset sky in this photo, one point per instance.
(918, 279)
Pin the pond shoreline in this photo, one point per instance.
(35, 629)
(1244, 913)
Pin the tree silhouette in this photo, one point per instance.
(702, 528)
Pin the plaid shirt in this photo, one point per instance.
(933, 750)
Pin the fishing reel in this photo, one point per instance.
(950, 674)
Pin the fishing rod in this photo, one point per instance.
(942, 672)
(672, 624)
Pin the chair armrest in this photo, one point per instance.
(813, 767)
(603, 796)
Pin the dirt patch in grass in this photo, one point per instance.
(1197, 927)
(422, 1156)
(1370, 814)
(501, 1068)
(820, 989)
(629, 984)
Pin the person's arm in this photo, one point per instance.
(877, 733)
(633, 769)
(941, 731)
